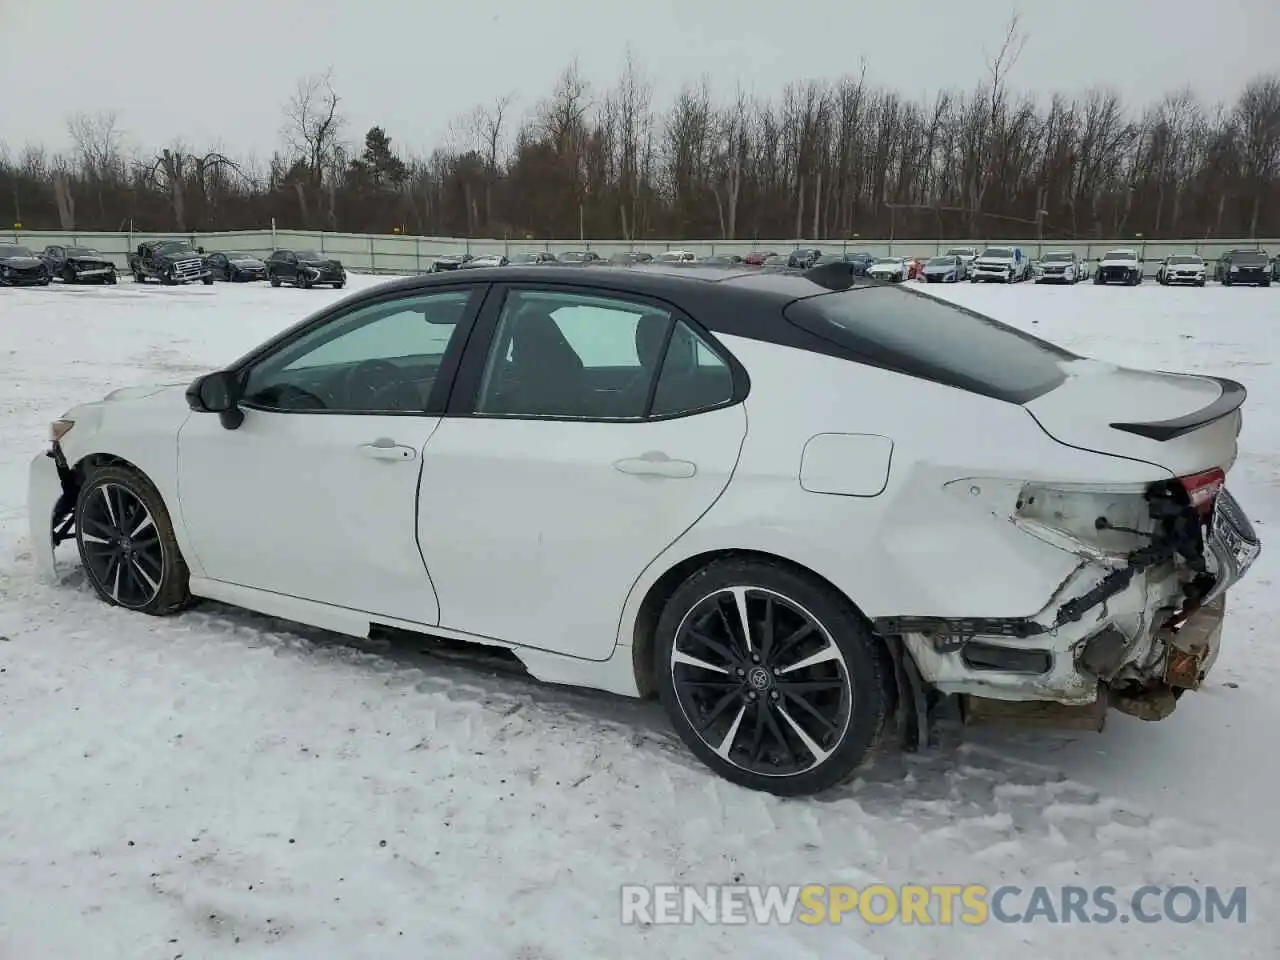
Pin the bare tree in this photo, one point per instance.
(99, 147)
(313, 125)
(1258, 122)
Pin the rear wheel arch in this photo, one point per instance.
(645, 626)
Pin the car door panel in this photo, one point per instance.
(294, 504)
(536, 526)
(536, 530)
(314, 494)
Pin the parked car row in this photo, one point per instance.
(168, 262)
(178, 262)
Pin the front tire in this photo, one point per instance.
(770, 677)
(127, 545)
(275, 281)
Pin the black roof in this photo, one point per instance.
(670, 281)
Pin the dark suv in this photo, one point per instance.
(804, 257)
(1244, 267)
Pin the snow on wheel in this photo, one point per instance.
(770, 677)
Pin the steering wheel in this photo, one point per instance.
(368, 380)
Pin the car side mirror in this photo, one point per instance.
(217, 392)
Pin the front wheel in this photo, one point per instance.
(207, 281)
(771, 677)
(275, 281)
(127, 544)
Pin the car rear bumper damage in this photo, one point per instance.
(1132, 632)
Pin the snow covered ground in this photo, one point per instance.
(221, 784)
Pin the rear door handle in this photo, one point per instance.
(384, 448)
(656, 464)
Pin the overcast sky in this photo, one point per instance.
(217, 73)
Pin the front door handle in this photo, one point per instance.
(655, 463)
(384, 448)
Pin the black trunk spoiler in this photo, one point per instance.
(1229, 400)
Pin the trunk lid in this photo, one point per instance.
(1182, 422)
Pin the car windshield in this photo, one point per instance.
(942, 262)
(573, 256)
(240, 255)
(1121, 255)
(832, 258)
(82, 252)
(960, 252)
(174, 246)
(890, 260)
(11, 250)
(1250, 258)
(525, 258)
(1057, 258)
(930, 338)
(311, 255)
(1195, 260)
(1000, 253)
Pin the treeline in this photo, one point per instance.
(836, 160)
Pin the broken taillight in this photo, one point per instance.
(1202, 489)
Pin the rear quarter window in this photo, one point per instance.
(920, 336)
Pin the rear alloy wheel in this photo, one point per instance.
(127, 543)
(770, 677)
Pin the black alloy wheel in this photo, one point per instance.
(127, 544)
(771, 678)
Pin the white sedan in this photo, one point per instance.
(794, 506)
(893, 269)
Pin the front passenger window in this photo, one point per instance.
(379, 358)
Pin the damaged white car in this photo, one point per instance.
(800, 508)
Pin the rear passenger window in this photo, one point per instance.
(590, 356)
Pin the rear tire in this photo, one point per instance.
(127, 545)
(750, 711)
